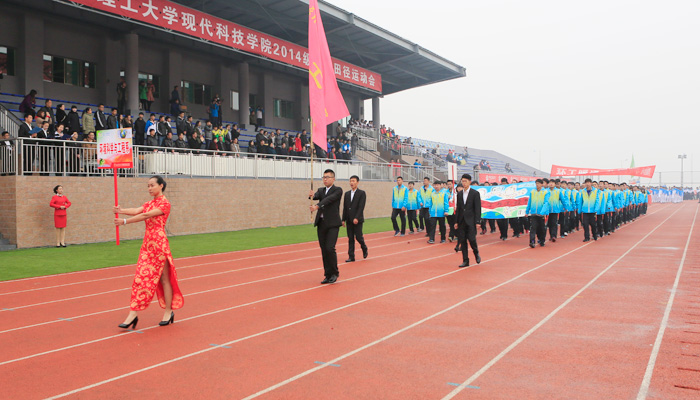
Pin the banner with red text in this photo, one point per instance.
(642, 172)
(496, 178)
(114, 148)
(176, 17)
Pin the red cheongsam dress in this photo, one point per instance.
(155, 252)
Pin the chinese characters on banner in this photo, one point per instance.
(114, 149)
(176, 17)
(642, 172)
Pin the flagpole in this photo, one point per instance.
(311, 148)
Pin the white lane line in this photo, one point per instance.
(208, 291)
(527, 334)
(229, 308)
(274, 329)
(395, 333)
(14, 308)
(180, 258)
(646, 382)
(178, 268)
(281, 326)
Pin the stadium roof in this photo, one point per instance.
(402, 64)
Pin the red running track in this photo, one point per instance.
(609, 319)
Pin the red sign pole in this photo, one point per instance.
(116, 201)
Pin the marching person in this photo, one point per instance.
(439, 205)
(564, 196)
(60, 204)
(413, 204)
(467, 216)
(328, 223)
(354, 217)
(155, 272)
(537, 209)
(588, 205)
(503, 222)
(555, 207)
(399, 198)
(424, 214)
(452, 191)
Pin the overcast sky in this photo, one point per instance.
(588, 84)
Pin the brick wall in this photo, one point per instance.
(198, 206)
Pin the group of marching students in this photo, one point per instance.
(555, 206)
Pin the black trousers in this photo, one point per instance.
(525, 224)
(537, 229)
(572, 220)
(577, 219)
(552, 224)
(467, 234)
(327, 238)
(355, 232)
(600, 224)
(399, 212)
(424, 217)
(451, 223)
(503, 227)
(434, 221)
(563, 223)
(610, 221)
(589, 225)
(516, 226)
(412, 219)
(492, 225)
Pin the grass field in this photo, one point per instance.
(27, 263)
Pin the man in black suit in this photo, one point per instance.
(328, 223)
(467, 216)
(354, 217)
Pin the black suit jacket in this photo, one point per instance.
(355, 208)
(24, 130)
(100, 121)
(469, 213)
(329, 206)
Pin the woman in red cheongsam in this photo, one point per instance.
(155, 272)
(60, 204)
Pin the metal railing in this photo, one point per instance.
(73, 158)
(8, 121)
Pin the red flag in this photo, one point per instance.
(326, 102)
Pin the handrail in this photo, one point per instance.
(9, 121)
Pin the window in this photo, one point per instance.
(196, 93)
(70, 72)
(145, 77)
(284, 109)
(234, 101)
(7, 61)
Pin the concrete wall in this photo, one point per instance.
(198, 206)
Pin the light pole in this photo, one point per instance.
(682, 157)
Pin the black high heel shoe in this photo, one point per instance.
(170, 321)
(133, 322)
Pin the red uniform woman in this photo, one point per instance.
(155, 272)
(60, 204)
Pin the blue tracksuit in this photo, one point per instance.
(438, 202)
(413, 200)
(400, 197)
(589, 203)
(556, 205)
(538, 203)
(424, 194)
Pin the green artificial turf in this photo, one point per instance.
(25, 263)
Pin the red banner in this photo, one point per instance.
(496, 178)
(642, 172)
(176, 17)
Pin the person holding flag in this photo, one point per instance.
(452, 191)
(413, 203)
(399, 198)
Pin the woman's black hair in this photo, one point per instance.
(159, 180)
(55, 190)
